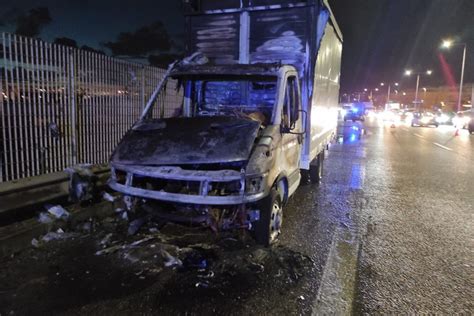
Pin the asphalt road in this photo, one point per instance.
(417, 223)
(388, 230)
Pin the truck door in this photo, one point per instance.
(291, 124)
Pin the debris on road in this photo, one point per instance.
(108, 250)
(202, 284)
(179, 259)
(57, 211)
(135, 225)
(45, 218)
(57, 235)
(82, 182)
(108, 197)
(170, 261)
(35, 243)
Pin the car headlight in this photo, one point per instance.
(254, 185)
(442, 119)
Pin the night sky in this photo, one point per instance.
(381, 37)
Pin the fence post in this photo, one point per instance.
(72, 100)
(3, 146)
(143, 88)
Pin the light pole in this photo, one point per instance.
(448, 44)
(371, 92)
(389, 89)
(418, 74)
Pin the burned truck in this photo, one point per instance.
(260, 95)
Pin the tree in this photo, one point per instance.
(65, 41)
(30, 24)
(145, 40)
(9, 16)
(163, 60)
(91, 49)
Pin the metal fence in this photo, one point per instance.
(62, 106)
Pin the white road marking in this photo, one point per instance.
(418, 135)
(441, 146)
(339, 274)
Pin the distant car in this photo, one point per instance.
(391, 115)
(424, 119)
(462, 119)
(445, 118)
(355, 113)
(406, 116)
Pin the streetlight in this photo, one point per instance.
(410, 72)
(448, 44)
(389, 89)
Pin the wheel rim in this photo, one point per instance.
(275, 221)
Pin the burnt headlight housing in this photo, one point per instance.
(254, 185)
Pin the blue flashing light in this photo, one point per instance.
(353, 138)
(355, 110)
(355, 128)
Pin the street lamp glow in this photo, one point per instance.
(365, 89)
(447, 44)
(408, 72)
(382, 84)
(396, 84)
(429, 72)
(376, 89)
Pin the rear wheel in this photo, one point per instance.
(268, 227)
(316, 170)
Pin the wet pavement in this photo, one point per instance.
(417, 243)
(388, 230)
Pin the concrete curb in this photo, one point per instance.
(18, 236)
(24, 193)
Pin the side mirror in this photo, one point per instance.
(289, 130)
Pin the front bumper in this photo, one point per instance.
(203, 179)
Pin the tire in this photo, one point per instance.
(316, 171)
(305, 178)
(268, 227)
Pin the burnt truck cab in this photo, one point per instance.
(231, 158)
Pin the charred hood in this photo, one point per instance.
(195, 140)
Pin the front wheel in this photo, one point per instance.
(268, 227)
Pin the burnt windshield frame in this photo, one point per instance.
(197, 85)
